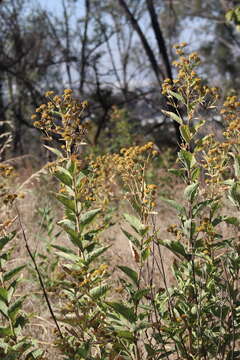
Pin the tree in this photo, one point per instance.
(25, 63)
(109, 52)
(220, 49)
(164, 69)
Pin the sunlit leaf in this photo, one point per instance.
(132, 274)
(135, 224)
(125, 311)
(11, 273)
(5, 239)
(63, 175)
(55, 151)
(173, 116)
(99, 291)
(88, 217)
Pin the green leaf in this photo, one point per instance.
(228, 182)
(186, 133)
(176, 247)
(145, 253)
(125, 311)
(199, 145)
(68, 256)
(88, 217)
(67, 225)
(81, 176)
(84, 350)
(89, 235)
(63, 249)
(136, 224)
(196, 173)
(234, 194)
(55, 151)
(95, 254)
(3, 294)
(125, 334)
(5, 331)
(21, 321)
(229, 15)
(89, 247)
(132, 238)
(236, 166)
(199, 125)
(11, 289)
(194, 310)
(187, 158)
(231, 220)
(75, 237)
(178, 172)
(99, 291)
(66, 201)
(189, 228)
(4, 308)
(71, 166)
(35, 354)
(15, 308)
(227, 219)
(175, 205)
(191, 191)
(63, 175)
(173, 116)
(150, 351)
(5, 239)
(138, 295)
(130, 273)
(177, 96)
(22, 346)
(11, 273)
(200, 206)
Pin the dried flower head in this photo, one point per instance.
(61, 117)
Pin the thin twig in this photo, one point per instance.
(39, 276)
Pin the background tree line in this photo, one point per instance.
(111, 52)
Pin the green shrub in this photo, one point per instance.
(197, 316)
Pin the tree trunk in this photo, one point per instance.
(160, 75)
(149, 52)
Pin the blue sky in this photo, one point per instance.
(54, 5)
(190, 34)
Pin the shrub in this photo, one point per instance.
(196, 317)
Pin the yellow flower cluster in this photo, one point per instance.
(174, 229)
(103, 181)
(95, 275)
(215, 156)
(131, 166)
(5, 170)
(7, 197)
(216, 159)
(231, 117)
(62, 117)
(187, 85)
(128, 167)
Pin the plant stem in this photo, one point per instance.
(39, 276)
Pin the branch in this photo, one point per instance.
(159, 38)
(84, 44)
(146, 46)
